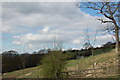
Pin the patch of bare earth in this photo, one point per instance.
(25, 75)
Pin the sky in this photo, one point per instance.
(31, 26)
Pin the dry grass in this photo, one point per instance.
(102, 61)
(85, 63)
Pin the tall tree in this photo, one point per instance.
(110, 11)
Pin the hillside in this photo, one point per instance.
(106, 59)
(84, 63)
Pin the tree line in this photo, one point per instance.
(12, 60)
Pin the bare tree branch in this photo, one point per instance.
(103, 21)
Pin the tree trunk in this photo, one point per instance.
(117, 49)
(117, 41)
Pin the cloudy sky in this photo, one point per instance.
(30, 26)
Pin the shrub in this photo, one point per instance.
(53, 64)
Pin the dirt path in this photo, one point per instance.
(25, 75)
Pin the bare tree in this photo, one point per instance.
(109, 28)
(56, 43)
(90, 43)
(54, 63)
(86, 45)
(108, 10)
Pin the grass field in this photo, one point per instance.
(26, 73)
(84, 63)
(108, 58)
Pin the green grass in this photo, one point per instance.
(100, 51)
(18, 74)
(84, 63)
(72, 65)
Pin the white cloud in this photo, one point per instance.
(30, 46)
(63, 20)
(103, 38)
(46, 29)
(76, 42)
(16, 37)
(16, 42)
(57, 15)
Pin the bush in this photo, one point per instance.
(53, 64)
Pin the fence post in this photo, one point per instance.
(94, 70)
(67, 74)
(58, 75)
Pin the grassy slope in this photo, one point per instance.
(84, 63)
(28, 73)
